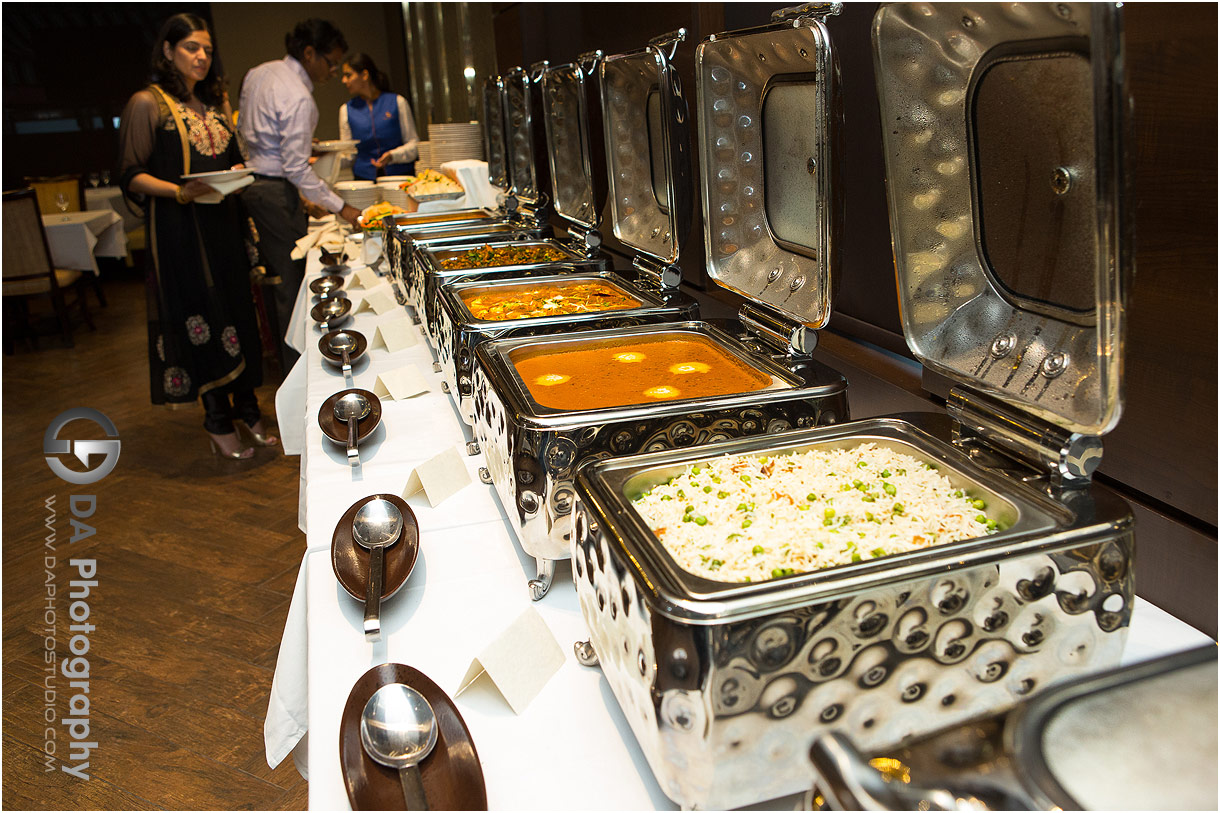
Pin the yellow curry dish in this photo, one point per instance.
(527, 301)
(632, 370)
(493, 255)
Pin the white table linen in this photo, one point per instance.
(77, 239)
(101, 198)
(571, 747)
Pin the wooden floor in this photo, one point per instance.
(196, 561)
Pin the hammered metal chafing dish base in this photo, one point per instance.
(532, 453)
(726, 685)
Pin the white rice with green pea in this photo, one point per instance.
(752, 518)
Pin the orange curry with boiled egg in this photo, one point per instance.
(631, 370)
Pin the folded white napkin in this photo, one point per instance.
(313, 238)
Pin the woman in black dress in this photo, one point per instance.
(203, 338)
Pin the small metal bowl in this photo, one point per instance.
(327, 286)
(336, 358)
(331, 311)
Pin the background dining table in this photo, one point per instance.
(571, 747)
(100, 198)
(77, 239)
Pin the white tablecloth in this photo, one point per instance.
(571, 747)
(111, 197)
(77, 239)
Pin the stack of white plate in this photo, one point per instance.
(456, 141)
(390, 192)
(424, 161)
(361, 194)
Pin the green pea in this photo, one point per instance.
(701, 520)
(885, 472)
(690, 508)
(722, 494)
(746, 523)
(687, 518)
(992, 525)
(696, 469)
(828, 513)
(981, 518)
(857, 483)
(828, 521)
(666, 497)
(856, 557)
(898, 508)
(958, 493)
(979, 504)
(707, 489)
(715, 479)
(868, 498)
(878, 552)
(811, 497)
(757, 550)
(889, 488)
(745, 478)
(861, 465)
(743, 507)
(715, 564)
(681, 494)
(868, 515)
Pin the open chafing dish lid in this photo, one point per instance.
(646, 125)
(769, 115)
(565, 107)
(1003, 129)
(494, 141)
(519, 127)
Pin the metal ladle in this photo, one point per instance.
(352, 408)
(377, 526)
(343, 344)
(398, 730)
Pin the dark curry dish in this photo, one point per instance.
(531, 301)
(492, 255)
(633, 370)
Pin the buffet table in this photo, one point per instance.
(571, 747)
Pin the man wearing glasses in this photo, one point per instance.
(278, 115)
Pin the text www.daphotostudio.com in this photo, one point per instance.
(68, 739)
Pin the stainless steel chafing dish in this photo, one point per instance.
(1102, 742)
(578, 198)
(522, 211)
(726, 685)
(580, 250)
(532, 451)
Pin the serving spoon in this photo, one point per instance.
(352, 408)
(377, 526)
(398, 730)
(343, 344)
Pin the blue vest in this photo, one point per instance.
(378, 129)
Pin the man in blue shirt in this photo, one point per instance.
(278, 116)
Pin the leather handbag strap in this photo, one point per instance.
(181, 125)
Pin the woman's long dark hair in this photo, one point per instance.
(361, 62)
(161, 70)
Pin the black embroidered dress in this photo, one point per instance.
(202, 328)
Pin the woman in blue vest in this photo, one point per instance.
(379, 120)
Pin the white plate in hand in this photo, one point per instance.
(223, 181)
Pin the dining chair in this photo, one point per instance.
(28, 271)
(50, 188)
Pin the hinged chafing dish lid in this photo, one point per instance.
(493, 132)
(565, 107)
(646, 124)
(1003, 137)
(769, 114)
(519, 125)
